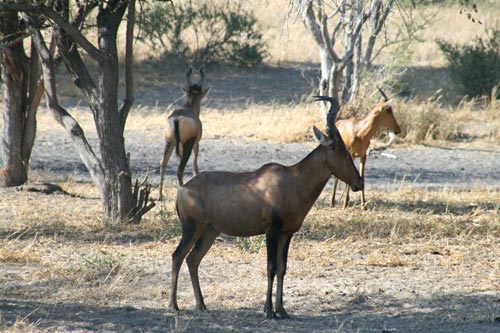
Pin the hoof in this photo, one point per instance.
(270, 315)
(282, 314)
(174, 307)
(201, 307)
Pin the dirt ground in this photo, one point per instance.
(325, 292)
(371, 285)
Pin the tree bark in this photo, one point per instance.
(110, 170)
(22, 92)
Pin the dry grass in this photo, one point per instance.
(80, 259)
(58, 250)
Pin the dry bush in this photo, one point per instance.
(425, 121)
(409, 213)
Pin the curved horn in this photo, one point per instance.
(188, 76)
(202, 76)
(332, 113)
(383, 93)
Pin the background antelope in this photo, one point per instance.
(273, 200)
(184, 129)
(357, 134)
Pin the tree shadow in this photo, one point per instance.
(453, 312)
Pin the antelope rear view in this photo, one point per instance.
(183, 131)
(273, 200)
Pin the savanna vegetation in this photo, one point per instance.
(416, 259)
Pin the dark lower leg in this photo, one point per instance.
(272, 252)
(284, 244)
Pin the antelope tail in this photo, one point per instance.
(177, 137)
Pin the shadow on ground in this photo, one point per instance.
(444, 313)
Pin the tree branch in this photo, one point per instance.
(60, 114)
(61, 22)
(129, 60)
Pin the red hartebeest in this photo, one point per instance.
(357, 134)
(183, 131)
(273, 200)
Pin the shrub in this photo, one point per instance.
(475, 67)
(204, 33)
(426, 120)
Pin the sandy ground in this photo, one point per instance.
(333, 292)
(441, 286)
(432, 167)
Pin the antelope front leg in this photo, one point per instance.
(362, 174)
(335, 183)
(272, 238)
(283, 246)
(346, 199)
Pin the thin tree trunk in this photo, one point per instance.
(21, 93)
(118, 189)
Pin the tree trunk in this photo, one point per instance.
(21, 94)
(110, 170)
(117, 193)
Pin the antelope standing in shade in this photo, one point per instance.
(183, 131)
(273, 200)
(357, 134)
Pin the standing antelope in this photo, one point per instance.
(273, 200)
(184, 129)
(357, 134)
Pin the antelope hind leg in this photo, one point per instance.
(186, 152)
(194, 258)
(169, 147)
(191, 232)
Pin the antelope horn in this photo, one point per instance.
(202, 76)
(332, 113)
(188, 76)
(383, 93)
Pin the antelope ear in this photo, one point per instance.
(321, 137)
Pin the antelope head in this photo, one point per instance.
(338, 159)
(195, 91)
(385, 114)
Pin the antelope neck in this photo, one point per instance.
(311, 174)
(195, 106)
(368, 126)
